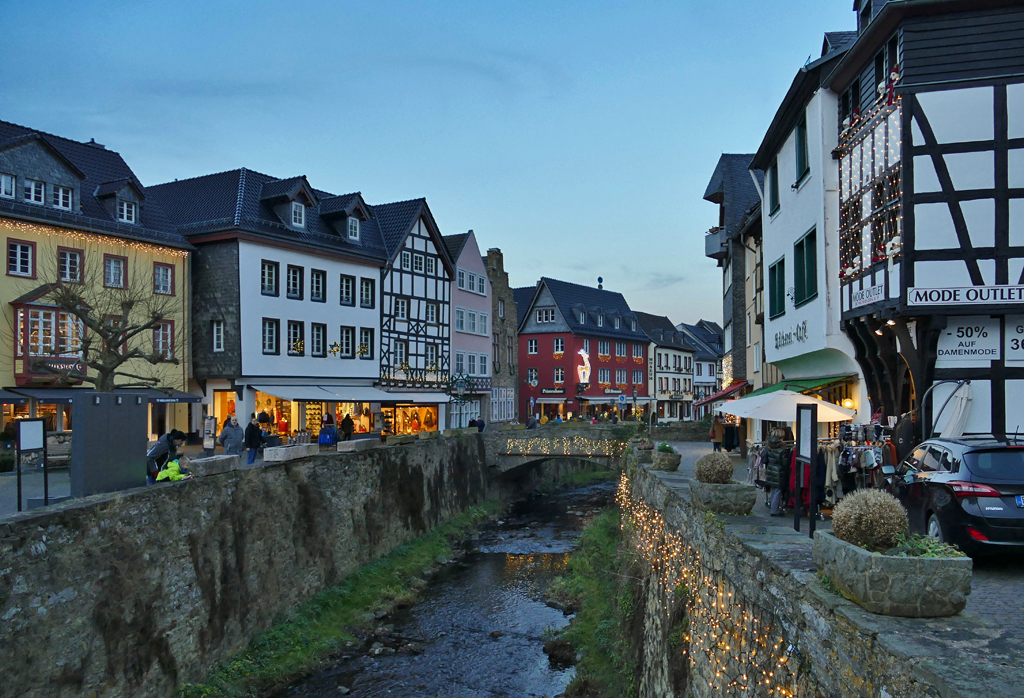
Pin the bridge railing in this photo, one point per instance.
(563, 446)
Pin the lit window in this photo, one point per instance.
(353, 228)
(70, 263)
(218, 335)
(298, 215)
(34, 191)
(163, 279)
(268, 278)
(127, 211)
(417, 263)
(113, 272)
(270, 329)
(7, 186)
(62, 197)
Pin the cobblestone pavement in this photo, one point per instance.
(997, 587)
(31, 486)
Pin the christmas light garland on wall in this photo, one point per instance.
(65, 235)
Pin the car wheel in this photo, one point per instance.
(934, 529)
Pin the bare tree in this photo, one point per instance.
(105, 315)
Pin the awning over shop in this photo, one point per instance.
(342, 393)
(301, 393)
(171, 395)
(417, 398)
(802, 384)
(600, 400)
(9, 398)
(49, 396)
(721, 393)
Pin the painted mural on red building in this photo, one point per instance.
(580, 349)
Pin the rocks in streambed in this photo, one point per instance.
(560, 651)
(496, 634)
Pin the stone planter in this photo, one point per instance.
(734, 498)
(912, 587)
(646, 456)
(666, 461)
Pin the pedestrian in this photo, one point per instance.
(717, 433)
(253, 438)
(480, 424)
(176, 470)
(346, 428)
(532, 422)
(164, 451)
(776, 472)
(232, 437)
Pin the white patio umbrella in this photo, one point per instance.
(958, 409)
(780, 406)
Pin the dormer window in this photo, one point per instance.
(632, 325)
(583, 317)
(127, 211)
(62, 197)
(298, 215)
(353, 228)
(616, 323)
(34, 191)
(600, 320)
(7, 186)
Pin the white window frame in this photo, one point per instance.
(163, 340)
(558, 345)
(417, 263)
(59, 195)
(366, 333)
(460, 362)
(471, 321)
(559, 374)
(109, 264)
(586, 346)
(616, 323)
(8, 186)
(401, 309)
(317, 285)
(481, 285)
(293, 273)
(621, 373)
(64, 265)
(349, 299)
(604, 375)
(532, 374)
(461, 278)
(317, 339)
(298, 215)
(431, 313)
(400, 352)
(471, 364)
(353, 228)
(430, 352)
(482, 365)
(406, 260)
(431, 266)
(300, 326)
(217, 332)
(347, 342)
(158, 286)
(366, 300)
(483, 324)
(600, 320)
(604, 347)
(34, 191)
(270, 330)
(638, 351)
(268, 278)
(620, 349)
(638, 376)
(531, 346)
(127, 211)
(460, 319)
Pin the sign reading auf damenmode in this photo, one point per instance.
(969, 340)
(965, 295)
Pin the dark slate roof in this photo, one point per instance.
(702, 339)
(837, 41)
(523, 297)
(284, 188)
(571, 298)
(662, 332)
(234, 200)
(455, 243)
(711, 327)
(396, 219)
(732, 186)
(96, 165)
(111, 188)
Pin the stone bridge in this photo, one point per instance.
(520, 451)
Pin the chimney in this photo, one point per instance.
(94, 144)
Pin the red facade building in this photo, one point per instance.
(581, 352)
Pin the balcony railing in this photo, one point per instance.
(714, 243)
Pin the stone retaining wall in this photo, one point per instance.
(682, 431)
(748, 622)
(135, 593)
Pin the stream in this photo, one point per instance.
(479, 629)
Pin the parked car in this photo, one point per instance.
(969, 492)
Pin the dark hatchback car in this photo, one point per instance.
(969, 492)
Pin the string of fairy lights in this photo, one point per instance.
(870, 189)
(744, 645)
(563, 446)
(67, 236)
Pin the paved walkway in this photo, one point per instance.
(984, 639)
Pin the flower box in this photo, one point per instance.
(912, 587)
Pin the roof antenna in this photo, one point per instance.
(600, 283)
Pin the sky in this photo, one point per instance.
(577, 137)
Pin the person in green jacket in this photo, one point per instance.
(174, 471)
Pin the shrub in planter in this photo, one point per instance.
(665, 447)
(645, 445)
(714, 468)
(871, 519)
(714, 490)
(666, 458)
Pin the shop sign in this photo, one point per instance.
(969, 339)
(797, 334)
(867, 296)
(552, 391)
(965, 295)
(1013, 343)
(70, 366)
(613, 391)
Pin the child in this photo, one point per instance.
(175, 470)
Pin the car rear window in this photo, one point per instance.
(1001, 465)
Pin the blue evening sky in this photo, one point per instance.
(577, 137)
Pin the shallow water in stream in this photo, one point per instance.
(479, 630)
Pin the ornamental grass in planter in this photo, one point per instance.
(713, 488)
(872, 560)
(666, 458)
